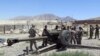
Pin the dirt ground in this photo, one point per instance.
(18, 48)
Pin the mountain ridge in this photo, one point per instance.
(95, 18)
(44, 17)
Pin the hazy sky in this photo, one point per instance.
(79, 9)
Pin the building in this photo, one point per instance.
(19, 25)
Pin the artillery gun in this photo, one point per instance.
(54, 36)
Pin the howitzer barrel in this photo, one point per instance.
(12, 41)
(31, 39)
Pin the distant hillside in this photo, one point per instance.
(22, 18)
(96, 18)
(44, 17)
(68, 18)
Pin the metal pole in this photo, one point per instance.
(4, 29)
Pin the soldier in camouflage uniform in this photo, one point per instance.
(79, 35)
(91, 31)
(45, 33)
(32, 34)
(73, 36)
(56, 28)
(97, 32)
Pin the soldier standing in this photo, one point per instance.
(68, 27)
(97, 32)
(79, 35)
(56, 28)
(73, 36)
(45, 33)
(32, 34)
(63, 27)
(91, 32)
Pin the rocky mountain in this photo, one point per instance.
(96, 18)
(68, 18)
(44, 17)
(22, 18)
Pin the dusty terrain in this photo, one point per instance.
(18, 48)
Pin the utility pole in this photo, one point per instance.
(4, 29)
(28, 24)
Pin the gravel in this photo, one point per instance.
(17, 49)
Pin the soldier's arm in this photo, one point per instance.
(38, 34)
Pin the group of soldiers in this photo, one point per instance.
(67, 35)
(92, 29)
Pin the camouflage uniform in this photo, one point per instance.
(32, 34)
(45, 33)
(97, 32)
(91, 31)
(73, 36)
(79, 35)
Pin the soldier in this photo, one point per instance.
(79, 35)
(97, 32)
(73, 35)
(68, 27)
(91, 32)
(56, 28)
(62, 27)
(32, 34)
(45, 33)
(63, 39)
